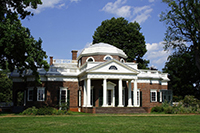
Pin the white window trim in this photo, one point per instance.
(107, 56)
(122, 60)
(90, 58)
(30, 88)
(62, 88)
(153, 90)
(41, 88)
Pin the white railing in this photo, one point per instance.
(63, 61)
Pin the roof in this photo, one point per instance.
(102, 49)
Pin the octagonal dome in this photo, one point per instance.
(102, 49)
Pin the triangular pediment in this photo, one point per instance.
(113, 66)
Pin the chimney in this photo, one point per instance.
(74, 54)
(51, 60)
(134, 61)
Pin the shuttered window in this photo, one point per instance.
(40, 94)
(153, 95)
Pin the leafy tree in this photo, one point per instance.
(125, 36)
(183, 74)
(5, 88)
(183, 22)
(18, 49)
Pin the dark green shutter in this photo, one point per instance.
(158, 96)
(93, 96)
(132, 97)
(100, 97)
(58, 97)
(140, 98)
(68, 97)
(150, 96)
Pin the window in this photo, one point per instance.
(90, 59)
(108, 57)
(40, 94)
(30, 94)
(63, 95)
(122, 60)
(112, 67)
(153, 96)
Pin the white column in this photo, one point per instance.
(88, 93)
(120, 93)
(84, 94)
(104, 93)
(135, 93)
(114, 97)
(129, 94)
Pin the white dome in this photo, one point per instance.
(102, 49)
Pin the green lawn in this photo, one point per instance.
(100, 123)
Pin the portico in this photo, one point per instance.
(109, 96)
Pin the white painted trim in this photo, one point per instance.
(108, 56)
(61, 89)
(93, 60)
(43, 95)
(151, 91)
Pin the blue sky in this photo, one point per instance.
(66, 25)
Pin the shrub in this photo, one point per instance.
(45, 111)
(30, 111)
(157, 109)
(168, 110)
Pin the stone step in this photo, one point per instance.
(119, 110)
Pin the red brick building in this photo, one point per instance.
(99, 80)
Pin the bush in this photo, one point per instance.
(30, 111)
(157, 109)
(45, 111)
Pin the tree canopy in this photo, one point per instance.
(124, 35)
(183, 25)
(5, 88)
(18, 49)
(183, 74)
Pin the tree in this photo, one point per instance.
(5, 88)
(183, 74)
(183, 22)
(125, 36)
(18, 49)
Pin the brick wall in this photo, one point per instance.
(52, 89)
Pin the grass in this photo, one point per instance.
(100, 123)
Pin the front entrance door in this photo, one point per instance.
(109, 97)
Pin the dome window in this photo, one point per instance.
(108, 57)
(122, 60)
(112, 67)
(90, 59)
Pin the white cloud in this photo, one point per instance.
(151, 0)
(117, 8)
(51, 4)
(140, 14)
(156, 54)
(75, 1)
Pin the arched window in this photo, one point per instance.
(122, 60)
(90, 59)
(108, 57)
(112, 67)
